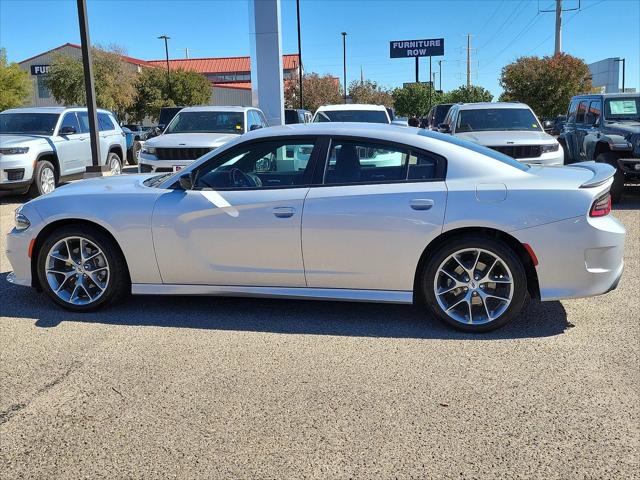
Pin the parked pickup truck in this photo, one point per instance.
(40, 147)
(605, 128)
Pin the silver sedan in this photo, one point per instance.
(355, 212)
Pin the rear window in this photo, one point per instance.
(474, 147)
(365, 116)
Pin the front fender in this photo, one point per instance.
(617, 143)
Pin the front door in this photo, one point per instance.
(379, 207)
(241, 223)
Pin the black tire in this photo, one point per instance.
(118, 285)
(494, 247)
(617, 188)
(37, 186)
(114, 156)
(132, 153)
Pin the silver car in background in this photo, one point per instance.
(374, 213)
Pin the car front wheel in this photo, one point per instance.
(44, 179)
(475, 284)
(81, 268)
(114, 163)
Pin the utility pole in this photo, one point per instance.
(440, 72)
(361, 76)
(166, 52)
(186, 53)
(95, 169)
(468, 60)
(344, 63)
(558, 47)
(558, 11)
(299, 53)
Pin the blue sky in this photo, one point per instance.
(502, 30)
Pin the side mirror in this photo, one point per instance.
(255, 126)
(444, 128)
(186, 181)
(161, 126)
(68, 130)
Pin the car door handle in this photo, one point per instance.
(284, 212)
(421, 203)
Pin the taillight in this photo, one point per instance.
(602, 206)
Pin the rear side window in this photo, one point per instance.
(105, 122)
(362, 161)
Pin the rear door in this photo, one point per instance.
(109, 135)
(377, 207)
(73, 148)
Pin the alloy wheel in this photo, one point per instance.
(47, 180)
(115, 167)
(473, 286)
(77, 270)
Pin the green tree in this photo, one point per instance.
(317, 90)
(113, 79)
(464, 94)
(152, 92)
(370, 92)
(415, 99)
(15, 84)
(545, 84)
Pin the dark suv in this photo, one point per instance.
(605, 128)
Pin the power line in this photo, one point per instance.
(490, 18)
(507, 20)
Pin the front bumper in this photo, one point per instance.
(18, 254)
(546, 159)
(16, 171)
(147, 164)
(630, 167)
(577, 257)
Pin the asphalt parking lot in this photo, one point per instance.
(238, 388)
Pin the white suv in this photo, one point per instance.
(40, 147)
(195, 131)
(509, 128)
(354, 112)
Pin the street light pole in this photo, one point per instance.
(344, 63)
(440, 73)
(95, 169)
(623, 61)
(299, 53)
(166, 53)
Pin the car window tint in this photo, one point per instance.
(582, 110)
(104, 122)
(364, 162)
(425, 167)
(258, 165)
(595, 110)
(70, 120)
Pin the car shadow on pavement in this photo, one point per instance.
(275, 316)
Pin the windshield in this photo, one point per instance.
(207, 122)
(28, 123)
(496, 119)
(622, 108)
(366, 116)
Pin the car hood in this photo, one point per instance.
(198, 140)
(517, 137)
(11, 140)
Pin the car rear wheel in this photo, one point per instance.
(617, 188)
(44, 179)
(114, 163)
(475, 284)
(82, 269)
(132, 153)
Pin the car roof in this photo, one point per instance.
(353, 106)
(607, 95)
(50, 110)
(485, 105)
(217, 108)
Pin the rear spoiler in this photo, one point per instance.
(601, 173)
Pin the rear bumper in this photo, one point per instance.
(577, 257)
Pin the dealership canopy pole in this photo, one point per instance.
(344, 63)
(299, 53)
(95, 169)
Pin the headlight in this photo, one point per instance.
(22, 222)
(550, 148)
(14, 150)
(149, 150)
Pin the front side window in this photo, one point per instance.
(496, 119)
(366, 116)
(258, 165)
(28, 123)
(582, 112)
(355, 161)
(206, 122)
